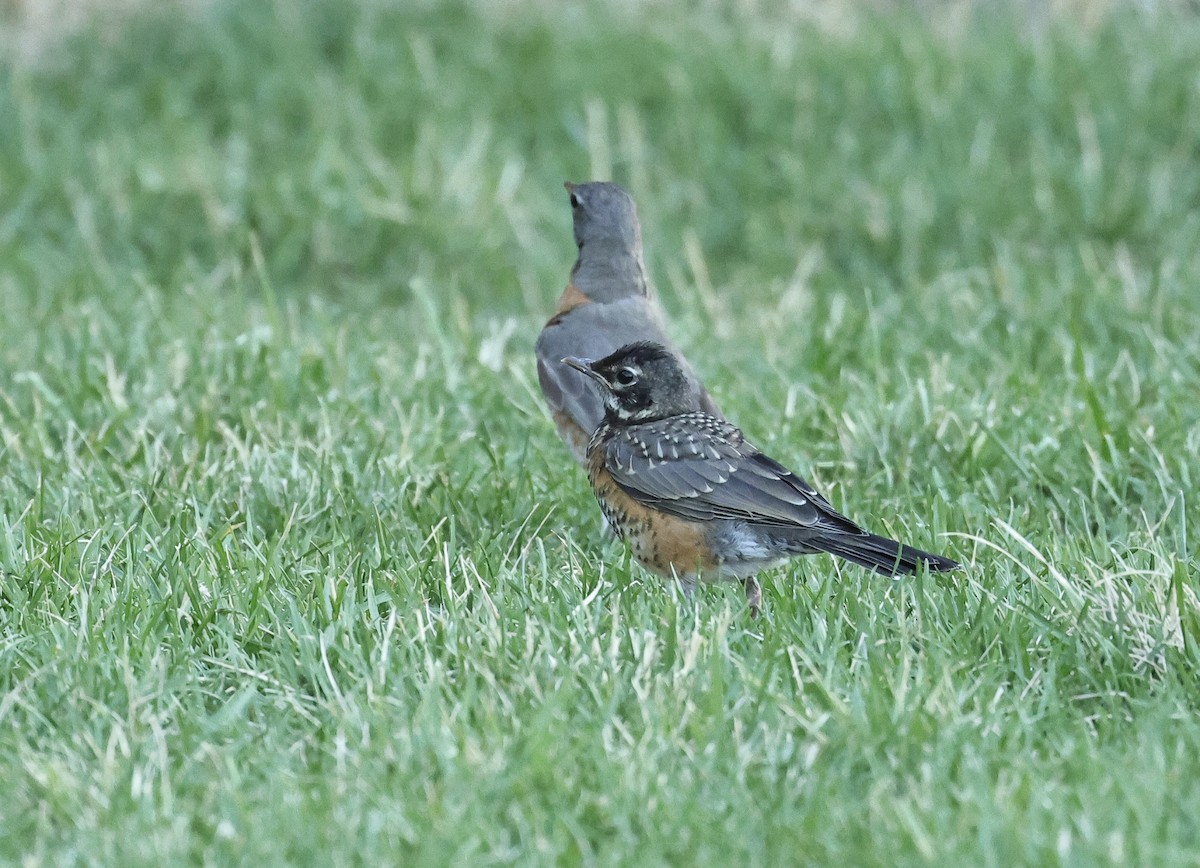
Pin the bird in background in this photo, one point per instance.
(608, 302)
(693, 499)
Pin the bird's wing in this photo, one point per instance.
(700, 467)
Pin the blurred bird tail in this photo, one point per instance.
(883, 555)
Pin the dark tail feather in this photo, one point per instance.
(881, 554)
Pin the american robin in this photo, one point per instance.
(693, 499)
(607, 303)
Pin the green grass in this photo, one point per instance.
(293, 568)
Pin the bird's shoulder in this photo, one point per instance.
(700, 466)
(686, 437)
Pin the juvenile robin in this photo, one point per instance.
(608, 302)
(693, 499)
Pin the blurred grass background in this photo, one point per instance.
(293, 568)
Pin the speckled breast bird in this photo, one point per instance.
(694, 500)
(607, 303)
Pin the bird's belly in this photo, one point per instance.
(742, 551)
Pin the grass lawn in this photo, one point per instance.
(293, 567)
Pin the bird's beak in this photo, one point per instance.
(569, 187)
(584, 366)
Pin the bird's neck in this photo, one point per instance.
(614, 419)
(599, 437)
(609, 271)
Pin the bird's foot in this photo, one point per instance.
(753, 596)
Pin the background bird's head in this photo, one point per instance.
(604, 216)
(640, 383)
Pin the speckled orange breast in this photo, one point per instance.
(662, 543)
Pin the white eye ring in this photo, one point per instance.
(626, 377)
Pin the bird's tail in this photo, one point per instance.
(881, 554)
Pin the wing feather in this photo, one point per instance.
(699, 467)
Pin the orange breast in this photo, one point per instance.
(576, 438)
(665, 544)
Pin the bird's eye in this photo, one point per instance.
(575, 201)
(626, 377)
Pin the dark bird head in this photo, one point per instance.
(641, 382)
(605, 217)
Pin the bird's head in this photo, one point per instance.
(641, 382)
(604, 216)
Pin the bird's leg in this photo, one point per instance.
(687, 586)
(684, 586)
(753, 595)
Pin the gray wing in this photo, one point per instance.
(699, 467)
(593, 331)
